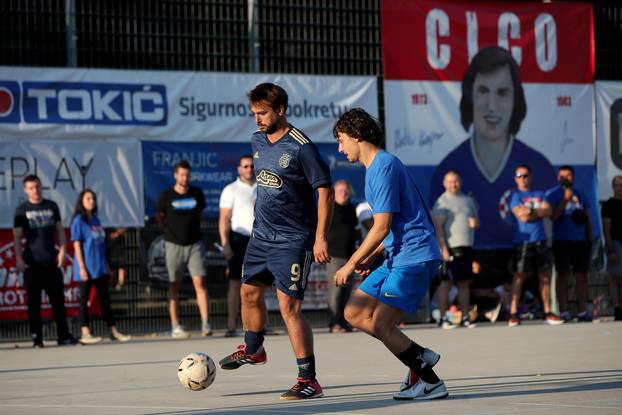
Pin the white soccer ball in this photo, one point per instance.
(196, 371)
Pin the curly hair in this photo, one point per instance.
(357, 123)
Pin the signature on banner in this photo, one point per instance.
(404, 139)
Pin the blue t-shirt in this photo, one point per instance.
(287, 174)
(390, 189)
(532, 231)
(492, 193)
(92, 238)
(564, 228)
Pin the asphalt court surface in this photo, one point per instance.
(491, 369)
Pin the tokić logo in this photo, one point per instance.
(268, 179)
(284, 160)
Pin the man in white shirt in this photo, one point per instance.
(235, 223)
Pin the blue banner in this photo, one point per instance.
(214, 165)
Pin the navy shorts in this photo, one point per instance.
(401, 287)
(572, 255)
(284, 264)
(460, 268)
(532, 257)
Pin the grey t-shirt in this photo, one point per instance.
(456, 209)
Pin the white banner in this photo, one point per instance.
(609, 128)
(111, 168)
(423, 121)
(168, 106)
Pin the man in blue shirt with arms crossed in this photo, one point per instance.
(289, 173)
(402, 226)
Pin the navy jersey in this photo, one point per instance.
(287, 173)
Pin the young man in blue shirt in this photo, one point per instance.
(403, 227)
(531, 253)
(289, 232)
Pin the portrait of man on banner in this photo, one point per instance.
(492, 109)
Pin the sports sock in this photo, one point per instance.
(306, 367)
(253, 340)
(411, 357)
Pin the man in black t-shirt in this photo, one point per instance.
(38, 220)
(342, 236)
(611, 214)
(178, 213)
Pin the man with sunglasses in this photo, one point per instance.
(235, 224)
(531, 254)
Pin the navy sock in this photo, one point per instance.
(411, 358)
(253, 340)
(306, 367)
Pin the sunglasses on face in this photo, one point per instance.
(522, 176)
(247, 166)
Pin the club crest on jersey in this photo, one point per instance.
(284, 160)
(269, 179)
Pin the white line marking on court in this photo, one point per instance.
(567, 406)
(22, 405)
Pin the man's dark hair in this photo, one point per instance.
(183, 164)
(613, 181)
(80, 210)
(488, 60)
(566, 167)
(30, 178)
(270, 93)
(245, 156)
(523, 166)
(357, 123)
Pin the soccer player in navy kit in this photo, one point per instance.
(289, 232)
(403, 226)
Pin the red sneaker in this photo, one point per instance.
(239, 358)
(303, 389)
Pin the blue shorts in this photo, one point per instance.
(286, 264)
(401, 287)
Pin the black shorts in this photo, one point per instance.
(460, 268)
(238, 244)
(572, 255)
(532, 257)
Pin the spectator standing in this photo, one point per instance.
(365, 218)
(611, 214)
(178, 213)
(530, 244)
(572, 241)
(455, 220)
(342, 237)
(38, 220)
(115, 253)
(235, 224)
(90, 265)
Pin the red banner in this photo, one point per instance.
(435, 40)
(13, 299)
